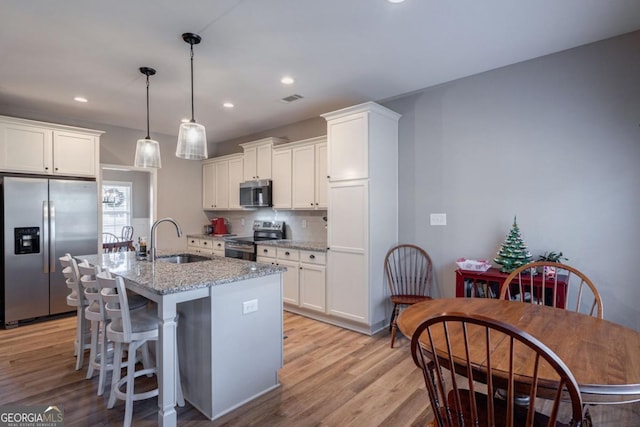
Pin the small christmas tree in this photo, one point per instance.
(513, 253)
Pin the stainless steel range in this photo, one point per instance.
(245, 247)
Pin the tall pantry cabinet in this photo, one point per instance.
(362, 212)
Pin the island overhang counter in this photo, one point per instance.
(227, 308)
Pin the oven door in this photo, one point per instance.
(240, 250)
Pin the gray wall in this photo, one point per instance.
(555, 141)
(139, 189)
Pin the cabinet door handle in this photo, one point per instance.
(300, 268)
(287, 253)
(312, 256)
(311, 203)
(46, 168)
(265, 250)
(204, 243)
(316, 203)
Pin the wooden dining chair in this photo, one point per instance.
(564, 287)
(409, 274)
(476, 356)
(126, 233)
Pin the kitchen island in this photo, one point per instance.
(227, 308)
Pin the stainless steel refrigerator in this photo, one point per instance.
(42, 219)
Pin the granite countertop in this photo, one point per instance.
(165, 277)
(296, 244)
(208, 236)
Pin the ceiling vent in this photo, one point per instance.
(291, 98)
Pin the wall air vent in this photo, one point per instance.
(291, 98)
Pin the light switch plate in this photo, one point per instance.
(438, 219)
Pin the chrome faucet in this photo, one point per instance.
(153, 234)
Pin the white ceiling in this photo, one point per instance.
(341, 52)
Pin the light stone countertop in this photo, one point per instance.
(296, 244)
(208, 236)
(165, 278)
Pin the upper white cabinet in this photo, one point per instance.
(45, 148)
(236, 176)
(221, 178)
(322, 183)
(362, 211)
(300, 174)
(257, 158)
(281, 177)
(309, 176)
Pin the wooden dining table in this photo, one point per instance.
(603, 356)
(120, 246)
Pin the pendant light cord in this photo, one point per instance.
(193, 119)
(148, 137)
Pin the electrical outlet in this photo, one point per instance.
(438, 219)
(249, 306)
(304, 223)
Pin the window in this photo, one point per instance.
(116, 206)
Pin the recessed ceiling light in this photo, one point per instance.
(395, 1)
(286, 80)
(80, 99)
(228, 105)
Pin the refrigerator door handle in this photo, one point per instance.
(52, 236)
(45, 234)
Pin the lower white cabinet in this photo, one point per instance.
(304, 283)
(206, 246)
(313, 279)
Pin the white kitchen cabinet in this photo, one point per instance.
(348, 290)
(257, 158)
(236, 176)
(362, 151)
(208, 185)
(313, 280)
(217, 247)
(322, 184)
(221, 182)
(200, 246)
(221, 199)
(45, 148)
(281, 177)
(290, 282)
(304, 283)
(207, 246)
(299, 174)
(303, 176)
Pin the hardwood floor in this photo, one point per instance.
(331, 377)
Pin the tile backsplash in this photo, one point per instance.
(307, 226)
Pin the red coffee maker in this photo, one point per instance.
(219, 226)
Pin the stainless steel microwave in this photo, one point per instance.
(255, 194)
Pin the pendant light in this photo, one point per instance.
(192, 138)
(147, 150)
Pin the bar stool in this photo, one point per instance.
(95, 312)
(133, 329)
(76, 299)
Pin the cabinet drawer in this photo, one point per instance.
(312, 257)
(266, 251)
(218, 245)
(206, 243)
(193, 242)
(291, 254)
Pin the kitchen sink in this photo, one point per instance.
(182, 258)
